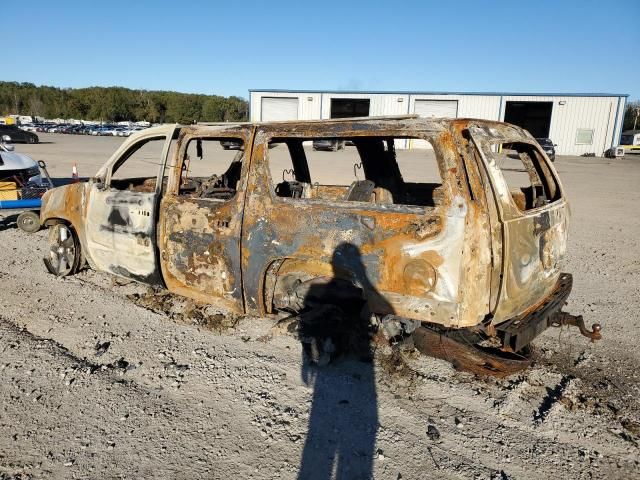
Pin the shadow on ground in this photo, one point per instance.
(343, 419)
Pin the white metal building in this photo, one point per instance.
(577, 123)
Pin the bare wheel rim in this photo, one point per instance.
(62, 250)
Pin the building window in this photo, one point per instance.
(584, 136)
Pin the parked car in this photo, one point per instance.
(332, 144)
(101, 130)
(42, 127)
(549, 147)
(458, 263)
(85, 129)
(118, 131)
(231, 144)
(17, 168)
(630, 141)
(18, 135)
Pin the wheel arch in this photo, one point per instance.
(48, 222)
(284, 276)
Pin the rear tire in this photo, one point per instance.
(64, 256)
(28, 222)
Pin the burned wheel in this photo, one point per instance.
(28, 222)
(64, 251)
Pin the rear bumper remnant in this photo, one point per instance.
(520, 331)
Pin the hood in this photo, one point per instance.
(15, 161)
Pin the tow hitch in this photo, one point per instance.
(506, 349)
(565, 318)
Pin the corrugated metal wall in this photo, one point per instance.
(569, 113)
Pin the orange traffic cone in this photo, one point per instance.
(74, 174)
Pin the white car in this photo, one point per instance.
(17, 165)
(21, 181)
(99, 130)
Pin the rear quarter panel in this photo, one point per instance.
(534, 241)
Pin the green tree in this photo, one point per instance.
(630, 113)
(118, 103)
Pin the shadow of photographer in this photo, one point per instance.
(336, 323)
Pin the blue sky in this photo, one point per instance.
(226, 48)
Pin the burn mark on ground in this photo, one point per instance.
(185, 310)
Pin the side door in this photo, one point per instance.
(532, 211)
(201, 215)
(122, 208)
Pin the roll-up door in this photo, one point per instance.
(279, 108)
(433, 109)
(436, 108)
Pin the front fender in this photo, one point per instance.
(67, 204)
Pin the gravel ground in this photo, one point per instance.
(96, 382)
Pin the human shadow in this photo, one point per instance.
(335, 324)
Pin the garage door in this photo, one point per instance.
(433, 109)
(279, 108)
(436, 108)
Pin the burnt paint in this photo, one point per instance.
(119, 217)
(305, 235)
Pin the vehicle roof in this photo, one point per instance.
(345, 127)
(357, 123)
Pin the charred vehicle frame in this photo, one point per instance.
(463, 261)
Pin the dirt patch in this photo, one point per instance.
(225, 405)
(605, 390)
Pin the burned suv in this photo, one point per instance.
(450, 233)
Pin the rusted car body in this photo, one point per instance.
(465, 253)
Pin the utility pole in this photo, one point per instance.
(635, 120)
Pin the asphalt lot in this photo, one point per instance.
(170, 397)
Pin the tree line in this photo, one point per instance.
(114, 104)
(630, 115)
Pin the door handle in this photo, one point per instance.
(223, 223)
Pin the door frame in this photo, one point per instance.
(98, 205)
(230, 208)
(546, 225)
(369, 222)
